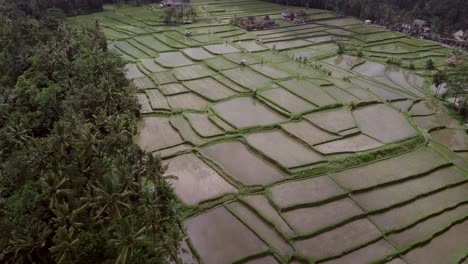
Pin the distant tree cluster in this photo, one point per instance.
(442, 14)
(75, 7)
(74, 188)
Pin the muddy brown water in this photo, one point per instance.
(219, 237)
(254, 170)
(246, 112)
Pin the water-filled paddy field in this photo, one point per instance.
(285, 151)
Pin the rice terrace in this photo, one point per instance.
(286, 150)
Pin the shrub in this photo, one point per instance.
(393, 60)
(430, 64)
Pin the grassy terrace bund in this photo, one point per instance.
(286, 152)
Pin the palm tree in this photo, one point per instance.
(64, 248)
(128, 237)
(53, 187)
(29, 247)
(67, 218)
(110, 198)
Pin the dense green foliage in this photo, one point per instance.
(444, 15)
(85, 6)
(457, 85)
(74, 186)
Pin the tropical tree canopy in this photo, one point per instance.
(74, 188)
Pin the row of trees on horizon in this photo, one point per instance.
(443, 15)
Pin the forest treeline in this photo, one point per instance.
(444, 15)
(74, 188)
(76, 7)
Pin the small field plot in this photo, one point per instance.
(335, 120)
(308, 133)
(173, 88)
(422, 108)
(264, 230)
(272, 56)
(395, 169)
(446, 247)
(311, 219)
(403, 105)
(203, 125)
(239, 58)
(220, 63)
(155, 133)
(175, 35)
(331, 244)
(288, 44)
(262, 205)
(240, 163)
(143, 83)
(381, 36)
(185, 130)
(455, 139)
(210, 88)
(157, 100)
(301, 69)
(288, 152)
(153, 43)
(438, 120)
(270, 71)
(351, 144)
(339, 32)
(151, 66)
(323, 39)
(132, 72)
(309, 91)
(245, 112)
(340, 22)
(114, 34)
(303, 192)
(217, 227)
(247, 78)
(286, 100)
(221, 48)
(187, 101)
(370, 69)
(169, 41)
(382, 92)
(149, 51)
(192, 72)
(197, 54)
(386, 197)
(173, 59)
(396, 47)
(145, 107)
(197, 182)
(250, 46)
(410, 213)
(343, 61)
(383, 123)
(397, 76)
(130, 50)
(163, 77)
